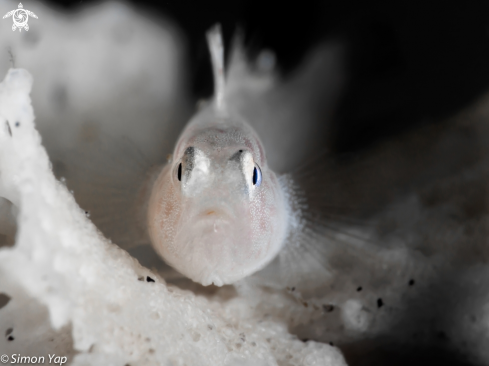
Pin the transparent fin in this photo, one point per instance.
(244, 76)
(216, 48)
(301, 105)
(355, 216)
(111, 181)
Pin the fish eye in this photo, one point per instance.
(179, 173)
(256, 176)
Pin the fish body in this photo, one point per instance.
(217, 212)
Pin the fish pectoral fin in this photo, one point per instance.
(109, 179)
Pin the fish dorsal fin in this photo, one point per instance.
(244, 76)
(241, 76)
(216, 48)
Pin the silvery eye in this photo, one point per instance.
(256, 176)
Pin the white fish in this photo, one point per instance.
(217, 213)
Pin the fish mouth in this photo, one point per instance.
(213, 223)
(216, 212)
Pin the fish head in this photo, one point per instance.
(217, 212)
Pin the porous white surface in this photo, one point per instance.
(95, 293)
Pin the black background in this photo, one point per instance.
(409, 62)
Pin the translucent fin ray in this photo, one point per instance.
(110, 180)
(216, 48)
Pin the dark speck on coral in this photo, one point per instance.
(4, 300)
(149, 279)
(8, 128)
(380, 303)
